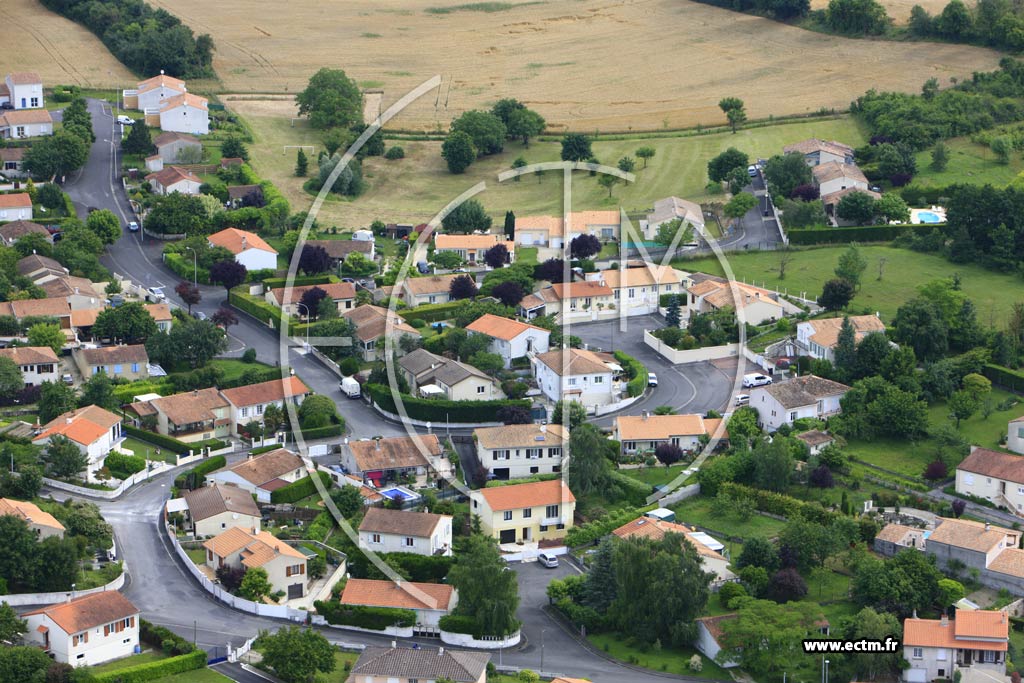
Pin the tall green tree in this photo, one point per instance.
(576, 417)
(130, 323)
(729, 160)
(871, 625)
(920, 324)
(766, 636)
(139, 140)
(525, 124)
(12, 627)
(485, 129)
(98, 390)
(458, 151)
(255, 584)
(773, 465)
(11, 380)
(852, 265)
(846, 349)
(510, 226)
(940, 156)
(488, 593)
(301, 164)
(589, 468)
(55, 398)
(672, 312)
(64, 458)
(23, 664)
(105, 224)
(785, 173)
(600, 587)
(297, 654)
(645, 153)
(56, 155)
(331, 99)
(45, 334)
(734, 111)
(856, 17)
(857, 207)
(576, 147)
(738, 206)
(467, 217)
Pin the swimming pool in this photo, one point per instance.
(929, 217)
(399, 494)
(645, 244)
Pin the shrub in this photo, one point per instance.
(936, 470)
(787, 585)
(373, 618)
(395, 152)
(729, 591)
(123, 466)
(455, 623)
(696, 664)
(635, 371)
(777, 503)
(297, 490)
(195, 477)
(158, 635)
(249, 356)
(149, 671)
(439, 411)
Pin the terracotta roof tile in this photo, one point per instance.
(401, 595)
(256, 549)
(532, 494)
(29, 355)
(88, 611)
(207, 501)
(15, 230)
(19, 200)
(832, 170)
(29, 512)
(25, 78)
(336, 291)
(431, 284)
(170, 136)
(659, 427)
(236, 241)
(989, 463)
(339, 249)
(577, 290)
(894, 533)
(580, 361)
(191, 406)
(394, 452)
(500, 328)
(185, 99)
(22, 117)
(266, 392)
(425, 664)
(803, 391)
(173, 174)
(655, 529)
(520, 436)
(266, 467)
(826, 330)
(373, 322)
(963, 533)
(83, 426)
(959, 633)
(107, 355)
(418, 524)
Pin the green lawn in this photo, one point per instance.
(977, 429)
(655, 476)
(993, 293)
(697, 510)
(526, 255)
(197, 676)
(969, 162)
(134, 660)
(197, 555)
(144, 449)
(234, 368)
(415, 188)
(668, 660)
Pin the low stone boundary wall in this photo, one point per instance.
(25, 599)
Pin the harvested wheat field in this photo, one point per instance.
(59, 50)
(589, 64)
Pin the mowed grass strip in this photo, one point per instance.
(904, 270)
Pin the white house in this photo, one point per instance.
(571, 302)
(510, 338)
(251, 250)
(785, 402)
(397, 531)
(994, 476)
(185, 113)
(430, 289)
(818, 338)
(430, 375)
(1015, 435)
(430, 601)
(174, 179)
(637, 291)
(151, 93)
(817, 151)
(171, 147)
(576, 375)
(86, 631)
(22, 90)
(669, 209)
(516, 451)
(644, 433)
(94, 430)
(15, 207)
(974, 645)
(421, 665)
(550, 231)
(212, 509)
(239, 548)
(373, 325)
(249, 402)
(708, 293)
(11, 159)
(707, 547)
(262, 474)
(38, 364)
(42, 523)
(472, 247)
(834, 176)
(27, 123)
(709, 630)
(343, 294)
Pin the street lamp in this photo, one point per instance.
(826, 671)
(195, 265)
(542, 632)
(309, 317)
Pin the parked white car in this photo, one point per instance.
(756, 380)
(548, 560)
(125, 120)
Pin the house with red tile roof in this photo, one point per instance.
(261, 475)
(430, 601)
(87, 630)
(532, 512)
(151, 93)
(185, 113)
(511, 338)
(251, 250)
(43, 523)
(96, 431)
(343, 294)
(577, 375)
(249, 402)
(373, 324)
(15, 230)
(993, 475)
(174, 179)
(189, 416)
(38, 364)
(472, 247)
(974, 644)
(22, 90)
(644, 433)
(246, 549)
(15, 206)
(26, 123)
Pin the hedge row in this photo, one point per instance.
(778, 504)
(297, 281)
(638, 384)
(124, 393)
(123, 466)
(374, 618)
(297, 490)
(593, 531)
(915, 195)
(457, 623)
(431, 313)
(164, 638)
(257, 308)
(195, 477)
(866, 233)
(323, 432)
(1004, 377)
(440, 411)
(250, 377)
(186, 268)
(173, 444)
(150, 671)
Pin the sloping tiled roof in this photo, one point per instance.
(84, 426)
(640, 277)
(23, 117)
(20, 200)
(191, 406)
(232, 239)
(373, 322)
(159, 311)
(815, 145)
(431, 284)
(532, 494)
(659, 427)
(834, 197)
(58, 308)
(265, 392)
(88, 611)
(394, 452)
(894, 533)
(826, 330)
(15, 230)
(207, 501)
(499, 327)
(655, 529)
(1009, 561)
(520, 436)
(714, 624)
(334, 290)
(961, 632)
(25, 78)
(815, 437)
(134, 353)
(989, 463)
(423, 664)
(670, 208)
(29, 512)
(34, 262)
(963, 533)
(459, 241)
(803, 391)
(69, 285)
(383, 521)
(339, 249)
(832, 170)
(161, 80)
(256, 548)
(29, 355)
(401, 595)
(12, 153)
(576, 290)
(266, 467)
(580, 361)
(172, 136)
(173, 174)
(185, 99)
(428, 367)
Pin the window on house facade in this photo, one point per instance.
(20, 132)
(244, 412)
(409, 541)
(792, 416)
(481, 390)
(118, 369)
(534, 470)
(374, 538)
(918, 653)
(598, 379)
(135, 367)
(554, 452)
(35, 101)
(527, 513)
(508, 515)
(551, 511)
(295, 570)
(969, 479)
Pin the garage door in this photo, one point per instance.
(508, 536)
(295, 591)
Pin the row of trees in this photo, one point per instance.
(480, 133)
(65, 151)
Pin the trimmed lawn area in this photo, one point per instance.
(969, 162)
(234, 368)
(526, 255)
(993, 293)
(977, 429)
(144, 449)
(668, 660)
(197, 555)
(415, 188)
(697, 510)
(134, 660)
(655, 476)
(197, 676)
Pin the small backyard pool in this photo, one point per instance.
(936, 214)
(399, 494)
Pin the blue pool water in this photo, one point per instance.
(928, 217)
(394, 494)
(646, 244)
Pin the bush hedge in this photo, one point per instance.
(150, 671)
(157, 636)
(457, 623)
(297, 490)
(123, 466)
(915, 195)
(866, 233)
(778, 504)
(431, 313)
(298, 281)
(323, 432)
(593, 531)
(636, 371)
(125, 392)
(257, 308)
(186, 268)
(439, 411)
(173, 444)
(422, 568)
(195, 477)
(373, 618)
(1004, 377)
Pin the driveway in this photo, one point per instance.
(689, 388)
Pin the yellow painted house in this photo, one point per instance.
(531, 512)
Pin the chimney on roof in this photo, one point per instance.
(161, 72)
(376, 440)
(944, 621)
(394, 644)
(988, 527)
(440, 651)
(195, 392)
(245, 242)
(914, 613)
(76, 290)
(543, 429)
(68, 420)
(645, 414)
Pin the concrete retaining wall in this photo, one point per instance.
(108, 494)
(468, 641)
(675, 356)
(25, 599)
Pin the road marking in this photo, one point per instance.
(692, 386)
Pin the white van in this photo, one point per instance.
(756, 380)
(350, 387)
